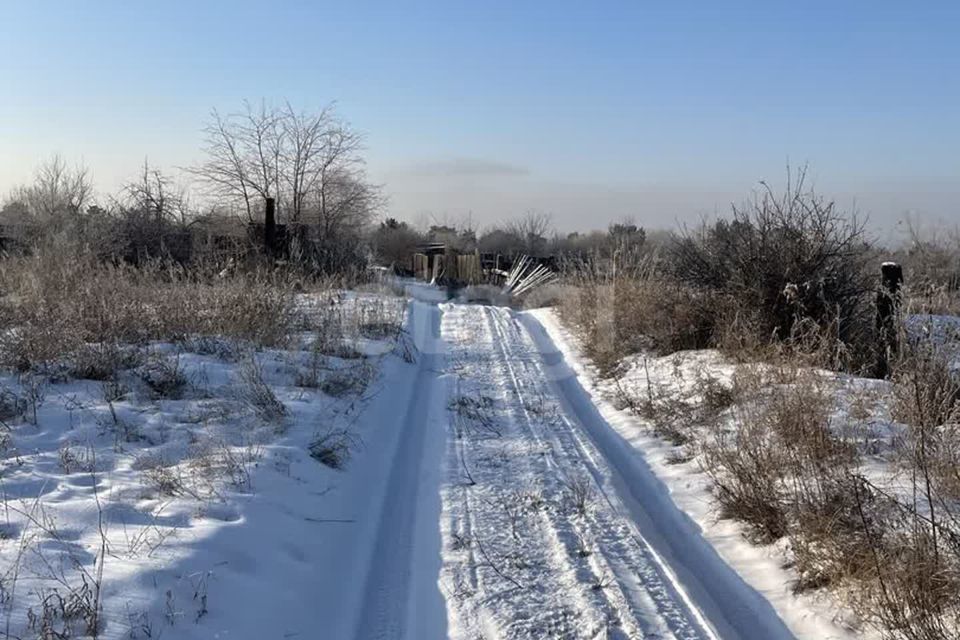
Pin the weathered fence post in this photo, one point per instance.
(889, 297)
(270, 227)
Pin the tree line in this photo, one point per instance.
(310, 162)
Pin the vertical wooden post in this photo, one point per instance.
(270, 227)
(889, 297)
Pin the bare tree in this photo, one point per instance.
(243, 156)
(145, 218)
(58, 190)
(323, 168)
(306, 134)
(532, 230)
(157, 195)
(310, 162)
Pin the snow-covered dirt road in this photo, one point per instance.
(550, 525)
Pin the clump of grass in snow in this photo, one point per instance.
(578, 492)
(257, 393)
(164, 376)
(74, 458)
(333, 447)
(476, 410)
(12, 405)
(103, 361)
(347, 381)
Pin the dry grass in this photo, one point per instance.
(65, 306)
(257, 394)
(891, 553)
(334, 447)
(616, 317)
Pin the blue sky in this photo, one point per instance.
(593, 111)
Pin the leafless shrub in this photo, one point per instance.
(164, 480)
(210, 467)
(671, 415)
(540, 407)
(237, 463)
(12, 405)
(258, 394)
(164, 376)
(618, 314)
(781, 457)
(786, 270)
(58, 615)
(343, 351)
(715, 397)
(927, 398)
(333, 447)
(216, 346)
(513, 508)
(531, 499)
(791, 257)
(681, 455)
(72, 606)
(123, 430)
(379, 330)
(114, 391)
(909, 582)
(73, 458)
(744, 465)
(347, 381)
(311, 374)
(6, 443)
(578, 493)
(931, 259)
(103, 361)
(405, 347)
(835, 531)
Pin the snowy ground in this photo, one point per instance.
(491, 491)
(181, 498)
(553, 525)
(762, 567)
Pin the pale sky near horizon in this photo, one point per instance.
(590, 111)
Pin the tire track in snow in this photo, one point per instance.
(609, 591)
(492, 611)
(401, 597)
(560, 531)
(734, 609)
(667, 581)
(617, 543)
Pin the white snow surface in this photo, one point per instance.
(492, 492)
(239, 533)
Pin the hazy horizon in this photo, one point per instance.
(590, 113)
